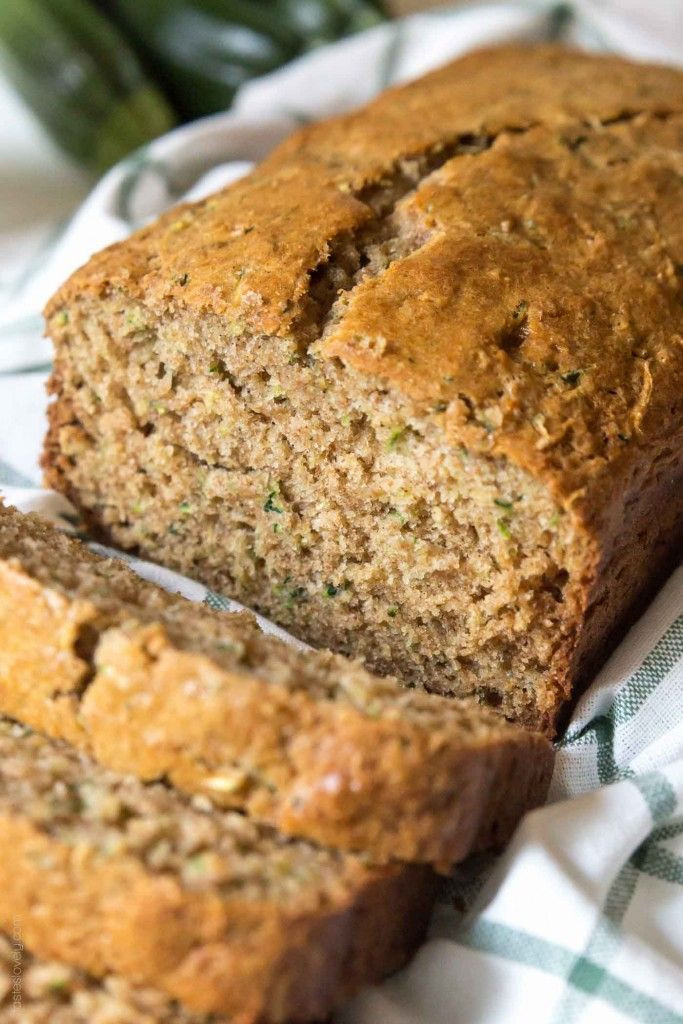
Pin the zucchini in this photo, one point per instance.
(81, 78)
(106, 76)
(202, 51)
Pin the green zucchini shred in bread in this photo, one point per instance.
(309, 742)
(104, 873)
(464, 291)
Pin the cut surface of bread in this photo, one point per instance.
(38, 991)
(150, 683)
(113, 876)
(413, 387)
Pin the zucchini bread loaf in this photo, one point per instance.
(149, 683)
(110, 875)
(414, 387)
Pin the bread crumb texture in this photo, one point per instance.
(36, 991)
(112, 876)
(150, 684)
(413, 387)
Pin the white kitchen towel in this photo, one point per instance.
(582, 919)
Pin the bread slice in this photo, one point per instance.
(38, 991)
(110, 875)
(149, 683)
(413, 387)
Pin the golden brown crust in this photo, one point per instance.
(540, 315)
(519, 278)
(396, 788)
(304, 192)
(536, 315)
(540, 220)
(397, 774)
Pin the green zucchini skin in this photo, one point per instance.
(81, 78)
(202, 51)
(106, 76)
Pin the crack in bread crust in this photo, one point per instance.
(418, 390)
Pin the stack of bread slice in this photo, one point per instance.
(199, 817)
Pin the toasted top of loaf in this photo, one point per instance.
(310, 742)
(518, 219)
